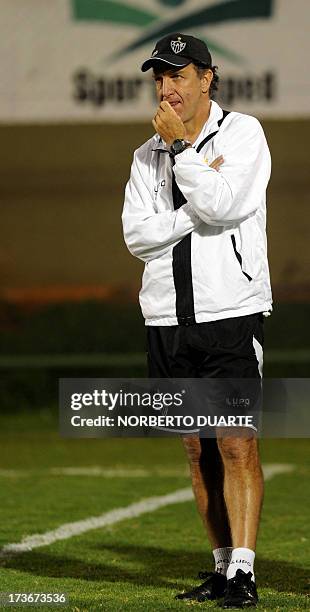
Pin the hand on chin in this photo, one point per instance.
(168, 123)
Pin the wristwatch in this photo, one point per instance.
(178, 146)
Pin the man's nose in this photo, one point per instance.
(167, 87)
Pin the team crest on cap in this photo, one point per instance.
(154, 52)
(177, 45)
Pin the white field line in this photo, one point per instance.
(96, 470)
(13, 473)
(272, 469)
(120, 472)
(269, 469)
(95, 522)
(123, 472)
(150, 504)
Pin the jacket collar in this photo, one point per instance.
(216, 113)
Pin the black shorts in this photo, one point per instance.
(227, 348)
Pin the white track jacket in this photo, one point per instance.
(206, 259)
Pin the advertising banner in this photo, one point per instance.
(79, 60)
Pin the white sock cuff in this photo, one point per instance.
(247, 553)
(241, 558)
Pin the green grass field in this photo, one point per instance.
(137, 563)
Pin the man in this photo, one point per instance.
(195, 212)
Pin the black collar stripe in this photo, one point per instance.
(207, 138)
(182, 263)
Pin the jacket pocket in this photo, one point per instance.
(239, 258)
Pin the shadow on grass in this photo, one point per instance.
(155, 567)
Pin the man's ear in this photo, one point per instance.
(206, 81)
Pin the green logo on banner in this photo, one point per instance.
(128, 14)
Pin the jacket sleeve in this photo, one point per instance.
(235, 192)
(149, 234)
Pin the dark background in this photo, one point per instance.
(69, 287)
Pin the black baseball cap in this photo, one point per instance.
(179, 50)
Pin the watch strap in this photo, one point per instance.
(179, 145)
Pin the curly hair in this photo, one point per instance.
(200, 69)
